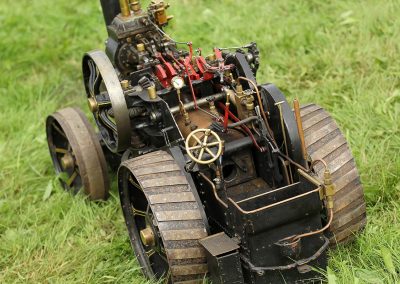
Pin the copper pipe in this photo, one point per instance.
(124, 5)
(318, 231)
(272, 205)
(300, 130)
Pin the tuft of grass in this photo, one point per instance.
(343, 55)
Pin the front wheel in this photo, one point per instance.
(76, 153)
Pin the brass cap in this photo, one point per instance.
(135, 6)
(125, 84)
(140, 47)
(93, 106)
(147, 237)
(67, 161)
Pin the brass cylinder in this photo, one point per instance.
(125, 11)
(297, 115)
(152, 92)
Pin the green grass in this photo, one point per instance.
(343, 55)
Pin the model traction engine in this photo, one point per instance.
(218, 176)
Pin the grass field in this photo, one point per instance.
(343, 55)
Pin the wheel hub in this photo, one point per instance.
(67, 161)
(147, 236)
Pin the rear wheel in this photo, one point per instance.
(164, 220)
(76, 153)
(324, 140)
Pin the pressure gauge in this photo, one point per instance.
(177, 82)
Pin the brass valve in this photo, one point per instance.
(135, 6)
(158, 9)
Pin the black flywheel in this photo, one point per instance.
(164, 220)
(76, 153)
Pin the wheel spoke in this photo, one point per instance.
(194, 147)
(210, 152)
(201, 154)
(137, 212)
(212, 144)
(72, 178)
(59, 130)
(60, 150)
(150, 252)
(134, 183)
(205, 139)
(197, 139)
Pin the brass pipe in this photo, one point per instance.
(124, 5)
(300, 130)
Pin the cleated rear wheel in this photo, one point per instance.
(76, 153)
(163, 218)
(324, 140)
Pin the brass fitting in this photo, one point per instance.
(135, 6)
(125, 84)
(147, 237)
(67, 161)
(140, 47)
(186, 118)
(213, 109)
(239, 90)
(329, 189)
(125, 11)
(93, 105)
(151, 91)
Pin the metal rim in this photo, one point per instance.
(106, 100)
(76, 153)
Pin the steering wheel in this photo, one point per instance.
(196, 147)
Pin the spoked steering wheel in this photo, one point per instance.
(202, 141)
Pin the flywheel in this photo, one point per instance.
(76, 153)
(106, 100)
(324, 140)
(163, 218)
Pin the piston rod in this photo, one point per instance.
(200, 102)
